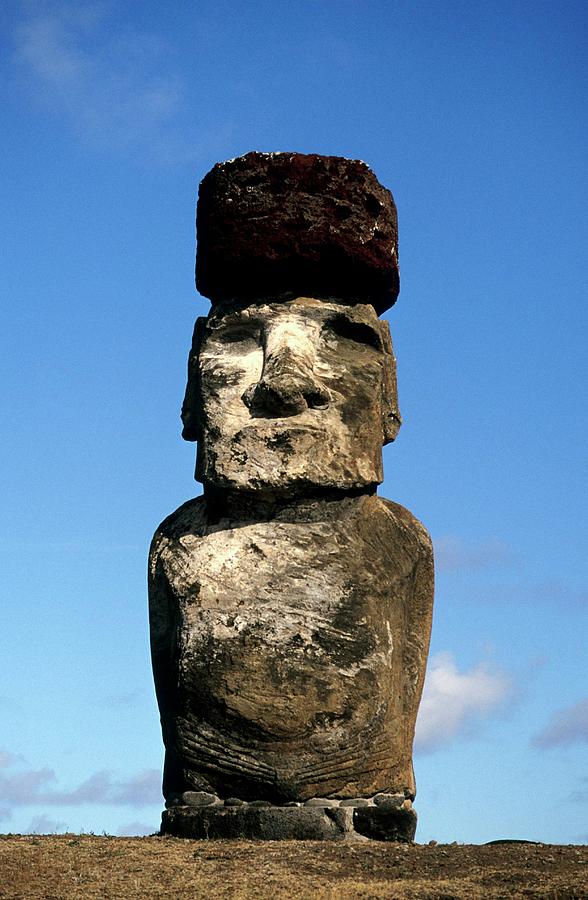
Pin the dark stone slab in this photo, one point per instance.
(290, 823)
(274, 823)
(272, 224)
(199, 798)
(389, 801)
(384, 823)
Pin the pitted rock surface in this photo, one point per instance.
(272, 224)
(289, 649)
(271, 823)
(290, 397)
(320, 820)
(290, 606)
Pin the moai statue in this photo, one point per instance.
(290, 605)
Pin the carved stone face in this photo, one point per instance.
(287, 395)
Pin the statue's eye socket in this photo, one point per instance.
(341, 327)
(238, 334)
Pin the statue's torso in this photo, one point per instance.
(291, 650)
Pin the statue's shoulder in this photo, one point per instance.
(188, 519)
(399, 520)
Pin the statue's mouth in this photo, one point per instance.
(280, 430)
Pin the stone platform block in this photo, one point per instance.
(281, 823)
(385, 823)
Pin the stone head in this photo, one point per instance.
(291, 396)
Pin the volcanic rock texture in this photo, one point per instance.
(289, 648)
(291, 223)
(291, 606)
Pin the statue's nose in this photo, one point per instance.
(285, 395)
(288, 385)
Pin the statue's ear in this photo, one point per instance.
(191, 406)
(391, 420)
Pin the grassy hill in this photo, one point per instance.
(88, 866)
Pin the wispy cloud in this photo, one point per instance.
(567, 726)
(137, 791)
(44, 825)
(114, 85)
(26, 787)
(580, 794)
(453, 553)
(454, 701)
(557, 592)
(124, 700)
(136, 829)
(9, 759)
(547, 593)
(72, 546)
(32, 787)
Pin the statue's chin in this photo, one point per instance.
(289, 458)
(288, 481)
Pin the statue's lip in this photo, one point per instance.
(262, 426)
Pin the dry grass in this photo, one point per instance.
(86, 866)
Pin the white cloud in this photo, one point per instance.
(139, 790)
(25, 787)
(8, 759)
(114, 85)
(452, 553)
(43, 825)
(557, 592)
(580, 795)
(126, 699)
(453, 701)
(33, 787)
(566, 726)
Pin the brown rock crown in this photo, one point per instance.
(287, 224)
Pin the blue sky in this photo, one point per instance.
(474, 115)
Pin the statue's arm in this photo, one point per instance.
(419, 618)
(166, 583)
(163, 615)
(412, 549)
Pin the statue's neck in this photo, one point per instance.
(261, 505)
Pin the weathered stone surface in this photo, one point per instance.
(281, 224)
(385, 823)
(273, 823)
(291, 397)
(290, 606)
(278, 823)
(321, 801)
(389, 801)
(200, 798)
(289, 646)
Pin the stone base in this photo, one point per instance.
(284, 823)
